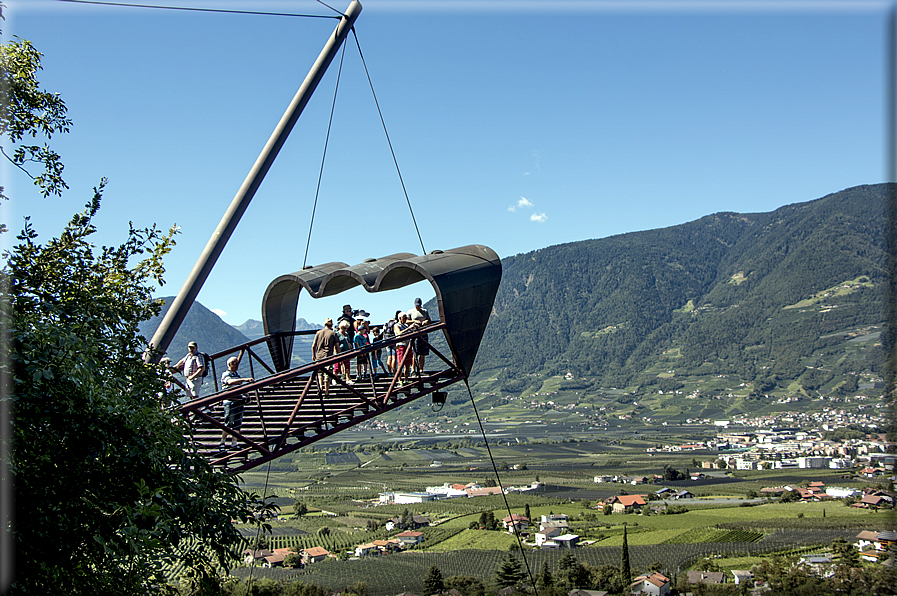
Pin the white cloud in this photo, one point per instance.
(538, 217)
(219, 312)
(523, 203)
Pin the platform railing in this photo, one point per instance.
(321, 415)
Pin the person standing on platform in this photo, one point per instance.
(233, 407)
(193, 367)
(361, 341)
(325, 345)
(403, 362)
(420, 317)
(349, 317)
(388, 333)
(345, 345)
(376, 338)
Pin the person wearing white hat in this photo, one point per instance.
(193, 367)
(233, 408)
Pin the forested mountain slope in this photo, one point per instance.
(200, 325)
(752, 294)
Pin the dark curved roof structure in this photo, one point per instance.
(465, 279)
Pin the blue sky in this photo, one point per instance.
(517, 125)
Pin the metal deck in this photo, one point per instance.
(287, 411)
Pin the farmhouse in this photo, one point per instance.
(410, 538)
(388, 546)
(363, 550)
(547, 534)
(627, 503)
(870, 543)
(562, 525)
(871, 502)
(250, 556)
(655, 584)
(514, 519)
(706, 577)
(315, 554)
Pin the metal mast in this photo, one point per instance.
(178, 310)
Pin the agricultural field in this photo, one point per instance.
(340, 489)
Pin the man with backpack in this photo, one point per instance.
(193, 366)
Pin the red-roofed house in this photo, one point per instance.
(483, 492)
(871, 502)
(388, 546)
(514, 519)
(273, 560)
(655, 583)
(410, 538)
(627, 503)
(363, 550)
(315, 554)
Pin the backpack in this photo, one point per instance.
(390, 330)
(206, 364)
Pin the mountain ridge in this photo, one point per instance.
(606, 308)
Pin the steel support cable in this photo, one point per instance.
(195, 9)
(386, 132)
(257, 532)
(529, 571)
(324, 154)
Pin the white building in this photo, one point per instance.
(404, 498)
(840, 463)
(841, 493)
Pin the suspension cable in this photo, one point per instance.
(324, 155)
(529, 571)
(195, 9)
(386, 132)
(258, 529)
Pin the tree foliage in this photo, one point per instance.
(789, 577)
(28, 112)
(433, 582)
(572, 573)
(108, 487)
(466, 585)
(510, 572)
(625, 569)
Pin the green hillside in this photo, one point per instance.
(760, 296)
